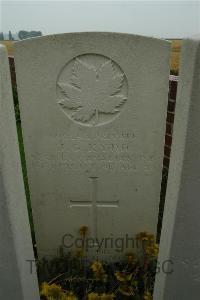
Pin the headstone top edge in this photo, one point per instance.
(35, 40)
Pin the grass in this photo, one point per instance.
(9, 46)
(23, 161)
(175, 56)
(24, 170)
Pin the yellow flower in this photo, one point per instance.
(98, 270)
(69, 296)
(54, 292)
(152, 250)
(145, 236)
(107, 296)
(122, 276)
(83, 231)
(93, 296)
(147, 296)
(96, 266)
(51, 290)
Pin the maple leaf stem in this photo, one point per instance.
(96, 116)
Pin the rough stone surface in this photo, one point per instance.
(16, 282)
(93, 108)
(180, 241)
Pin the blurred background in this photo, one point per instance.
(164, 19)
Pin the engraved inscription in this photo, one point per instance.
(92, 89)
(110, 151)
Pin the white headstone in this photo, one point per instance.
(180, 238)
(16, 280)
(93, 108)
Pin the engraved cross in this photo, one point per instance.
(94, 202)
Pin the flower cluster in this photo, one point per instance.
(149, 244)
(131, 278)
(152, 250)
(145, 236)
(55, 292)
(98, 270)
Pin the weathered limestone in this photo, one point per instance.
(16, 281)
(93, 108)
(180, 240)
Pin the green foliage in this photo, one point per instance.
(23, 160)
(10, 36)
(16, 105)
(23, 34)
(1, 36)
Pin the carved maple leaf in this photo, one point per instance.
(91, 92)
